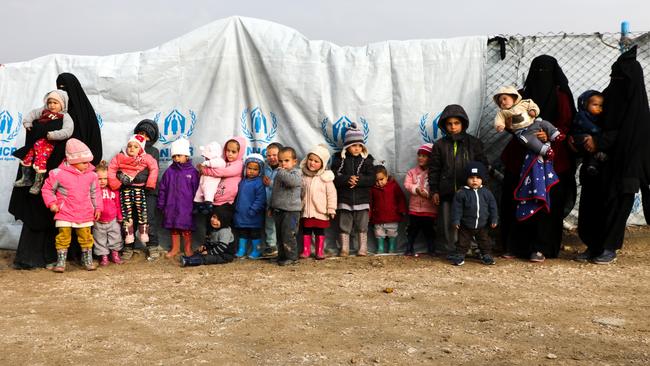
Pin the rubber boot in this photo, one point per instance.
(320, 247)
(192, 260)
(38, 183)
(143, 233)
(129, 238)
(187, 243)
(380, 245)
(345, 244)
(362, 239)
(306, 246)
(27, 178)
(176, 246)
(256, 252)
(61, 255)
(241, 251)
(127, 252)
(392, 245)
(87, 260)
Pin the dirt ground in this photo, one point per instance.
(332, 312)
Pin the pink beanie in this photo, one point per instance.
(140, 140)
(425, 148)
(77, 152)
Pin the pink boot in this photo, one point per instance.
(320, 247)
(104, 261)
(306, 246)
(115, 257)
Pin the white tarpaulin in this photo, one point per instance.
(261, 80)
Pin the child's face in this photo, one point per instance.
(595, 105)
(423, 160)
(232, 150)
(215, 222)
(81, 166)
(474, 182)
(287, 161)
(132, 149)
(180, 159)
(102, 175)
(144, 134)
(381, 179)
(506, 101)
(453, 125)
(252, 170)
(54, 106)
(355, 149)
(314, 163)
(272, 156)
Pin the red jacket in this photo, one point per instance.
(387, 204)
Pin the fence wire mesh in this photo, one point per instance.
(586, 60)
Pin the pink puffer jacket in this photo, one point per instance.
(76, 193)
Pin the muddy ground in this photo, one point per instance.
(336, 311)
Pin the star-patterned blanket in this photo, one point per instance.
(535, 181)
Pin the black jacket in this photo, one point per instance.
(344, 168)
(474, 208)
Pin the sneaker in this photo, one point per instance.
(560, 137)
(287, 262)
(607, 257)
(103, 261)
(488, 260)
(508, 255)
(270, 252)
(537, 257)
(584, 256)
(115, 257)
(457, 260)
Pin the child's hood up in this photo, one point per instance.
(61, 96)
(242, 148)
(510, 90)
(150, 128)
(453, 110)
(584, 98)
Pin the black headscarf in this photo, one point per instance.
(86, 127)
(544, 78)
(626, 112)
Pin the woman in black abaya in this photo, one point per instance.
(36, 243)
(606, 199)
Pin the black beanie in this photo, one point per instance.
(475, 168)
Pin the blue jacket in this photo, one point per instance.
(474, 208)
(250, 204)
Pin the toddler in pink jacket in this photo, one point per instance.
(72, 192)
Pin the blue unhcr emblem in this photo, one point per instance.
(339, 129)
(7, 130)
(100, 120)
(175, 126)
(259, 129)
(430, 139)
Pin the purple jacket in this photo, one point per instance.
(175, 195)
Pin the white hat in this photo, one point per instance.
(181, 147)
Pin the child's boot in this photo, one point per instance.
(38, 183)
(392, 244)
(129, 238)
(380, 245)
(60, 261)
(320, 247)
(255, 253)
(192, 260)
(362, 239)
(27, 178)
(176, 246)
(103, 261)
(87, 260)
(115, 257)
(241, 251)
(306, 246)
(187, 243)
(345, 244)
(127, 252)
(143, 231)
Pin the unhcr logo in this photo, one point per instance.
(339, 129)
(257, 129)
(175, 126)
(9, 129)
(424, 126)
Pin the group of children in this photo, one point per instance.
(277, 197)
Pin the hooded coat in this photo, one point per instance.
(151, 129)
(175, 195)
(518, 113)
(451, 153)
(77, 194)
(250, 204)
(230, 175)
(318, 191)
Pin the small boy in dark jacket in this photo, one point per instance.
(473, 209)
(250, 206)
(449, 157)
(219, 247)
(286, 204)
(354, 176)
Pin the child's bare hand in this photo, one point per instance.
(353, 181)
(199, 167)
(28, 128)
(97, 214)
(436, 199)
(500, 128)
(590, 144)
(332, 216)
(456, 227)
(532, 113)
(493, 225)
(54, 208)
(266, 180)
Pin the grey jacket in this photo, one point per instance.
(474, 208)
(286, 190)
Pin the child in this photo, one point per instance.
(387, 208)
(70, 192)
(518, 116)
(474, 208)
(449, 156)
(175, 196)
(355, 176)
(585, 123)
(219, 247)
(106, 231)
(208, 185)
(286, 205)
(53, 123)
(270, 170)
(250, 207)
(131, 161)
(318, 200)
(422, 211)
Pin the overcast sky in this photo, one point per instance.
(33, 28)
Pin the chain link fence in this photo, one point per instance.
(586, 60)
